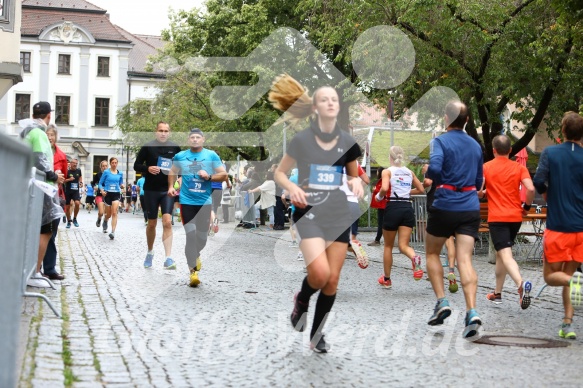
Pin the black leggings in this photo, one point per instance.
(196, 221)
(380, 217)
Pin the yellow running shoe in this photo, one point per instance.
(198, 263)
(576, 293)
(194, 280)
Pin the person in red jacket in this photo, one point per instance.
(380, 206)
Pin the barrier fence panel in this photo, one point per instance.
(16, 158)
(33, 225)
(418, 235)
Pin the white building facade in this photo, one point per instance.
(73, 57)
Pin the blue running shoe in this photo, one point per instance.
(75, 222)
(169, 264)
(441, 311)
(148, 261)
(473, 323)
(524, 294)
(68, 225)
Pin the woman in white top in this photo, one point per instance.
(399, 216)
(267, 200)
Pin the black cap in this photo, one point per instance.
(41, 108)
(197, 131)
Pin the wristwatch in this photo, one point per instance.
(210, 177)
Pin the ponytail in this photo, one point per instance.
(288, 96)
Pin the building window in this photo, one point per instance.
(62, 110)
(103, 66)
(25, 61)
(102, 112)
(22, 107)
(64, 64)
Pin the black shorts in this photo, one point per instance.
(201, 214)
(325, 228)
(110, 198)
(89, 200)
(50, 227)
(153, 199)
(134, 199)
(503, 234)
(443, 223)
(398, 213)
(72, 196)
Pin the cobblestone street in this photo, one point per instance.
(127, 326)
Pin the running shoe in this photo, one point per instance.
(148, 261)
(68, 225)
(298, 316)
(111, 235)
(374, 243)
(575, 290)
(169, 264)
(361, 255)
(473, 323)
(64, 219)
(321, 346)
(300, 256)
(524, 294)
(494, 297)
(567, 332)
(453, 287)
(440, 312)
(386, 283)
(75, 222)
(194, 280)
(104, 226)
(417, 271)
(198, 263)
(98, 223)
(216, 225)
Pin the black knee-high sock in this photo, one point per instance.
(323, 307)
(306, 292)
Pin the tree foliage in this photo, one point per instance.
(524, 53)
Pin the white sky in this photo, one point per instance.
(143, 16)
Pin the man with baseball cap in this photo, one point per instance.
(34, 134)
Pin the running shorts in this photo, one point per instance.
(560, 246)
(134, 198)
(72, 196)
(50, 227)
(503, 234)
(443, 223)
(398, 213)
(110, 198)
(326, 229)
(89, 200)
(98, 200)
(155, 199)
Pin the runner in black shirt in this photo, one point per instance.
(72, 184)
(154, 161)
(321, 215)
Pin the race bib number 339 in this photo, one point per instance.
(325, 177)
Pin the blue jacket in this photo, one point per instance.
(456, 159)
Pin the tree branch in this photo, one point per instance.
(459, 17)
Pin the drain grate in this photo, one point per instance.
(520, 341)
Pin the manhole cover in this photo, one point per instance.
(525, 342)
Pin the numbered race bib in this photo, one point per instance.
(164, 163)
(196, 186)
(325, 177)
(112, 187)
(74, 186)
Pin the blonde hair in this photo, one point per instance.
(290, 97)
(397, 155)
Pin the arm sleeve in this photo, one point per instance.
(140, 160)
(435, 160)
(542, 173)
(480, 172)
(102, 180)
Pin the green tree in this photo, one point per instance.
(526, 53)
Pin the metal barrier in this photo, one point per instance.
(33, 224)
(418, 236)
(15, 157)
